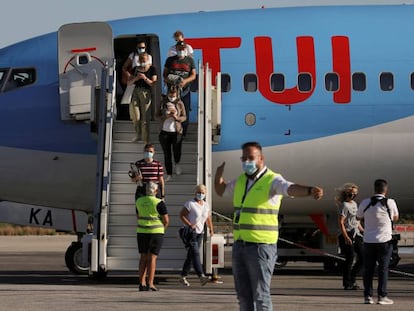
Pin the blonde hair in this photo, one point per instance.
(342, 191)
(200, 188)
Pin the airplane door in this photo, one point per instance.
(83, 51)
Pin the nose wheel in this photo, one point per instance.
(73, 259)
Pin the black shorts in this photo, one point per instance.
(149, 243)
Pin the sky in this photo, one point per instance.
(43, 16)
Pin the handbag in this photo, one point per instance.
(126, 98)
(187, 235)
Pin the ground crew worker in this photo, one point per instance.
(257, 194)
(152, 221)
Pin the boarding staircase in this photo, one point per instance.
(122, 252)
(114, 244)
(87, 87)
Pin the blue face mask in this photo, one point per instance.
(249, 167)
(148, 155)
(200, 196)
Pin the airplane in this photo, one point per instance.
(326, 90)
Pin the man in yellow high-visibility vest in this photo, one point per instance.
(257, 194)
(152, 220)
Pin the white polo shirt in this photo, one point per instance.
(377, 222)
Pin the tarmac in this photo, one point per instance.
(33, 276)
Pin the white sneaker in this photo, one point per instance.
(184, 281)
(136, 138)
(168, 178)
(178, 169)
(385, 301)
(368, 300)
(204, 279)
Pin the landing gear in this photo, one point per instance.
(73, 259)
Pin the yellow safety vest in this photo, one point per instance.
(255, 219)
(149, 220)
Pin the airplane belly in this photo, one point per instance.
(55, 179)
(383, 151)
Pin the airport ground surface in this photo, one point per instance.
(33, 277)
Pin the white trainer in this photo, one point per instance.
(168, 178)
(385, 301)
(368, 300)
(178, 169)
(184, 281)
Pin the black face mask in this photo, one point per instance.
(351, 196)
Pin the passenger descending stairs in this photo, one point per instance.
(122, 251)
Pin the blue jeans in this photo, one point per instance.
(253, 266)
(373, 253)
(193, 256)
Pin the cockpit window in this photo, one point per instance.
(3, 73)
(20, 77)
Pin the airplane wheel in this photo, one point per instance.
(73, 259)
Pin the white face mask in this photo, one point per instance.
(148, 155)
(140, 50)
(180, 53)
(249, 167)
(172, 98)
(143, 64)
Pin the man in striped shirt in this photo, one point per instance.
(149, 170)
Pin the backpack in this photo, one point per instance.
(384, 202)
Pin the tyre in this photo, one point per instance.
(73, 259)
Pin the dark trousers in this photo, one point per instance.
(168, 141)
(353, 259)
(193, 257)
(376, 253)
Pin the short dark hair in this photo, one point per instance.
(178, 33)
(380, 186)
(252, 144)
(149, 145)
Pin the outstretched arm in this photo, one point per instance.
(296, 190)
(219, 183)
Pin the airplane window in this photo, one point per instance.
(304, 82)
(277, 82)
(387, 81)
(359, 82)
(84, 59)
(331, 82)
(225, 82)
(412, 81)
(19, 78)
(250, 82)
